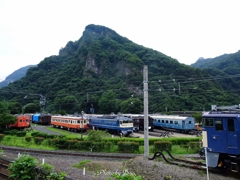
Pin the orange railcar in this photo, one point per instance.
(71, 123)
(22, 121)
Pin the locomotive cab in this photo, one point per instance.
(220, 135)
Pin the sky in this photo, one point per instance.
(186, 30)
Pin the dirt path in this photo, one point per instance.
(43, 129)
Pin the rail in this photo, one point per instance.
(4, 172)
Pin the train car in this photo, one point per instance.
(43, 119)
(71, 123)
(177, 123)
(22, 121)
(138, 121)
(113, 124)
(221, 137)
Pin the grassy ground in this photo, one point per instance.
(10, 140)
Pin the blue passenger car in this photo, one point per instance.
(178, 123)
(41, 119)
(113, 124)
(221, 137)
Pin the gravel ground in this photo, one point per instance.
(102, 168)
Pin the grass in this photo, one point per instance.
(69, 134)
(21, 142)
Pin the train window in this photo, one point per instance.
(159, 121)
(208, 122)
(20, 120)
(162, 121)
(219, 125)
(78, 121)
(230, 125)
(166, 121)
(171, 122)
(175, 122)
(189, 122)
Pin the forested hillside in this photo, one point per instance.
(16, 75)
(225, 68)
(104, 71)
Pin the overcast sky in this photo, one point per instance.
(31, 30)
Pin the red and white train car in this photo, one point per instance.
(22, 121)
(71, 123)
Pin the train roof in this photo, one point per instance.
(221, 114)
(67, 117)
(110, 117)
(170, 117)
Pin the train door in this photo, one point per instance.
(183, 125)
(217, 137)
(232, 136)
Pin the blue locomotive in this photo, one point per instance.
(221, 137)
(43, 119)
(178, 123)
(113, 124)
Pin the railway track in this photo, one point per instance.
(4, 172)
(69, 153)
(192, 164)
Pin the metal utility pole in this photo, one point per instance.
(145, 93)
(82, 126)
(179, 91)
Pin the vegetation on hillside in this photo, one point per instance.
(103, 71)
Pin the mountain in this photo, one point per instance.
(104, 70)
(16, 75)
(228, 63)
(226, 67)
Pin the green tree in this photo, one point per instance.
(198, 117)
(32, 108)
(108, 102)
(96, 136)
(132, 105)
(15, 108)
(67, 104)
(6, 119)
(3, 107)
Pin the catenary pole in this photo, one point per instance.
(145, 93)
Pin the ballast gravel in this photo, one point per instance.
(105, 167)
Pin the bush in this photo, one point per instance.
(128, 147)
(70, 144)
(10, 131)
(38, 140)
(97, 146)
(28, 138)
(194, 145)
(1, 137)
(50, 136)
(21, 133)
(35, 134)
(160, 145)
(108, 145)
(23, 168)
